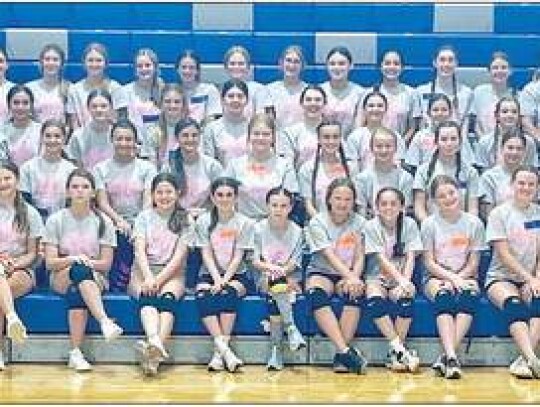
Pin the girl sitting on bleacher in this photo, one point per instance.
(335, 240)
(452, 242)
(162, 235)
(95, 60)
(5, 86)
(278, 244)
(79, 246)
(224, 236)
(21, 228)
(328, 164)
(285, 94)
(392, 242)
(202, 99)
(513, 277)
(507, 121)
(50, 91)
(91, 143)
(43, 178)
(447, 159)
(19, 136)
(383, 173)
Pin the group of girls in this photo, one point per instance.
(146, 178)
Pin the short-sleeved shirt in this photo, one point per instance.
(234, 234)
(357, 148)
(488, 155)
(343, 104)
(403, 107)
(463, 93)
(452, 242)
(275, 246)
(13, 241)
(423, 146)
(257, 178)
(298, 143)
(325, 175)
(286, 102)
(483, 104)
(23, 143)
(78, 97)
(203, 101)
(258, 99)
(90, 146)
(4, 90)
(76, 236)
(379, 239)
(529, 100)
(199, 175)
(467, 181)
(160, 241)
(139, 104)
(225, 140)
(495, 186)
(521, 229)
(322, 233)
(46, 182)
(125, 184)
(49, 103)
(370, 181)
(152, 139)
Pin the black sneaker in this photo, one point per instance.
(338, 365)
(453, 369)
(362, 360)
(439, 366)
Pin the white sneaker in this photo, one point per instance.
(156, 348)
(16, 330)
(78, 362)
(110, 330)
(216, 363)
(2, 363)
(142, 348)
(408, 359)
(295, 338)
(520, 369)
(232, 362)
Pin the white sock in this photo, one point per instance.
(397, 345)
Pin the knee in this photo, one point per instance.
(206, 303)
(404, 307)
(74, 298)
(318, 298)
(377, 307)
(229, 299)
(444, 303)
(79, 272)
(166, 302)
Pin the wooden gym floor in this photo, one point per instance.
(120, 383)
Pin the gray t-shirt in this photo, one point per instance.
(226, 237)
(286, 102)
(22, 143)
(464, 97)
(4, 89)
(298, 143)
(495, 186)
(529, 100)
(275, 246)
(225, 140)
(48, 103)
(344, 239)
(46, 182)
(452, 242)
(370, 181)
(343, 104)
(520, 228)
(483, 104)
(203, 101)
(13, 241)
(257, 178)
(381, 240)
(89, 146)
(125, 184)
(160, 241)
(487, 155)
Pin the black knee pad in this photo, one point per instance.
(377, 307)
(79, 272)
(206, 303)
(318, 298)
(147, 301)
(403, 307)
(351, 302)
(467, 302)
(272, 307)
(444, 303)
(535, 307)
(229, 300)
(514, 310)
(167, 302)
(74, 298)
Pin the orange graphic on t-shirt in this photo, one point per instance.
(258, 169)
(459, 241)
(335, 169)
(227, 233)
(346, 241)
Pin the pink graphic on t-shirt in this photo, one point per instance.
(160, 244)
(396, 113)
(276, 253)
(289, 111)
(50, 107)
(125, 192)
(23, 149)
(198, 190)
(49, 193)
(9, 239)
(307, 150)
(345, 247)
(95, 155)
(231, 147)
(223, 242)
(78, 242)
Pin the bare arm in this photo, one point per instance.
(420, 205)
